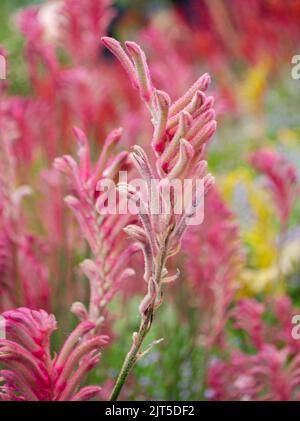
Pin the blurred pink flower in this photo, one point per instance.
(225, 31)
(213, 257)
(272, 374)
(248, 317)
(282, 180)
(81, 24)
(269, 368)
(23, 272)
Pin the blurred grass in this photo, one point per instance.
(173, 369)
(11, 40)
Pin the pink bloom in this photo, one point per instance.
(81, 24)
(30, 372)
(181, 131)
(224, 31)
(248, 317)
(269, 366)
(104, 233)
(271, 374)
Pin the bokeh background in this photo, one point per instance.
(240, 272)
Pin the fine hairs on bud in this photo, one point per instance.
(142, 70)
(115, 47)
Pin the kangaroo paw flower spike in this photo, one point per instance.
(181, 130)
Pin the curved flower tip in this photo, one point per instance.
(117, 50)
(31, 374)
(79, 310)
(80, 136)
(143, 74)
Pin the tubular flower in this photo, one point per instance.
(30, 372)
(103, 232)
(29, 119)
(251, 316)
(181, 129)
(281, 180)
(248, 317)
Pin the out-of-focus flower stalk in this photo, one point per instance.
(104, 233)
(283, 185)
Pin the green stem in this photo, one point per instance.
(132, 355)
(144, 328)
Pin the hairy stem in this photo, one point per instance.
(132, 355)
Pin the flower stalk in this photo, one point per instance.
(145, 325)
(159, 234)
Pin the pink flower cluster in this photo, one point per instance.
(270, 370)
(31, 373)
(24, 276)
(77, 92)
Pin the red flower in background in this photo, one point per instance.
(226, 30)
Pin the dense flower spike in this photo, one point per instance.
(31, 373)
(191, 117)
(104, 233)
(282, 180)
(269, 375)
(181, 131)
